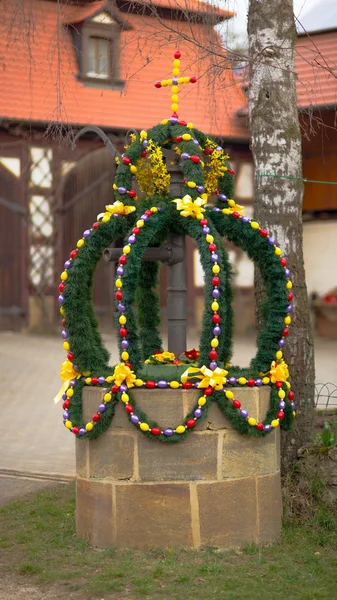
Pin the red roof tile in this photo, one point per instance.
(316, 68)
(39, 83)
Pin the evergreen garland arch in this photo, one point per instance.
(148, 221)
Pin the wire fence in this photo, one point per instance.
(326, 396)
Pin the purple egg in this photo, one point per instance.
(289, 308)
(73, 382)
(216, 209)
(216, 330)
(123, 387)
(195, 142)
(213, 365)
(145, 143)
(68, 264)
(267, 427)
(200, 189)
(216, 293)
(293, 405)
(271, 241)
(121, 307)
(168, 432)
(245, 219)
(185, 156)
(206, 230)
(282, 404)
(222, 197)
(258, 382)
(101, 380)
(64, 396)
(162, 384)
(120, 271)
(232, 380)
(287, 272)
(86, 233)
(244, 413)
(214, 257)
(131, 239)
(82, 431)
(173, 120)
(102, 408)
(197, 413)
(125, 344)
(64, 334)
(134, 419)
(66, 414)
(280, 343)
(61, 299)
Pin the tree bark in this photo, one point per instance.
(276, 148)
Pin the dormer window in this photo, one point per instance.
(99, 59)
(97, 46)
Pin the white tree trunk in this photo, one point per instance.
(276, 148)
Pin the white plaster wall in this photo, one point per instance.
(320, 255)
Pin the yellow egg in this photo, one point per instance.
(242, 380)
(287, 320)
(89, 426)
(289, 285)
(275, 423)
(181, 80)
(180, 429)
(154, 209)
(118, 284)
(265, 380)
(252, 421)
(278, 251)
(216, 269)
(202, 401)
(175, 89)
(109, 379)
(231, 203)
(124, 355)
(143, 134)
(80, 243)
(209, 238)
(186, 79)
(106, 218)
(144, 426)
(254, 225)
(70, 393)
(174, 384)
(294, 414)
(164, 84)
(190, 125)
(176, 71)
(215, 343)
(164, 121)
(88, 380)
(107, 397)
(140, 223)
(174, 98)
(176, 62)
(62, 311)
(215, 306)
(133, 169)
(64, 276)
(191, 184)
(229, 395)
(174, 107)
(278, 355)
(68, 424)
(127, 249)
(125, 397)
(86, 373)
(66, 346)
(187, 137)
(122, 320)
(281, 394)
(139, 382)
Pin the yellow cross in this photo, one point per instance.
(175, 82)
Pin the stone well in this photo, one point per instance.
(215, 488)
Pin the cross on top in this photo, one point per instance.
(175, 82)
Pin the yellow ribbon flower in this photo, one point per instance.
(279, 372)
(123, 374)
(190, 208)
(161, 357)
(116, 208)
(233, 207)
(215, 379)
(67, 373)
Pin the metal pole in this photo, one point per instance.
(176, 274)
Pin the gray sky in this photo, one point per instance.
(239, 23)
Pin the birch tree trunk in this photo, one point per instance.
(276, 148)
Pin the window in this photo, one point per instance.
(98, 57)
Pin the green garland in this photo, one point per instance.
(148, 222)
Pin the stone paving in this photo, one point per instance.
(32, 437)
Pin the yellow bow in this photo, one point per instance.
(215, 379)
(279, 372)
(190, 208)
(116, 208)
(67, 373)
(123, 374)
(233, 207)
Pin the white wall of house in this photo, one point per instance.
(320, 255)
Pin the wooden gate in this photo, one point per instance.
(86, 190)
(13, 243)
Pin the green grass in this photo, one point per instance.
(38, 542)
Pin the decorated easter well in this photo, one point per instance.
(175, 450)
